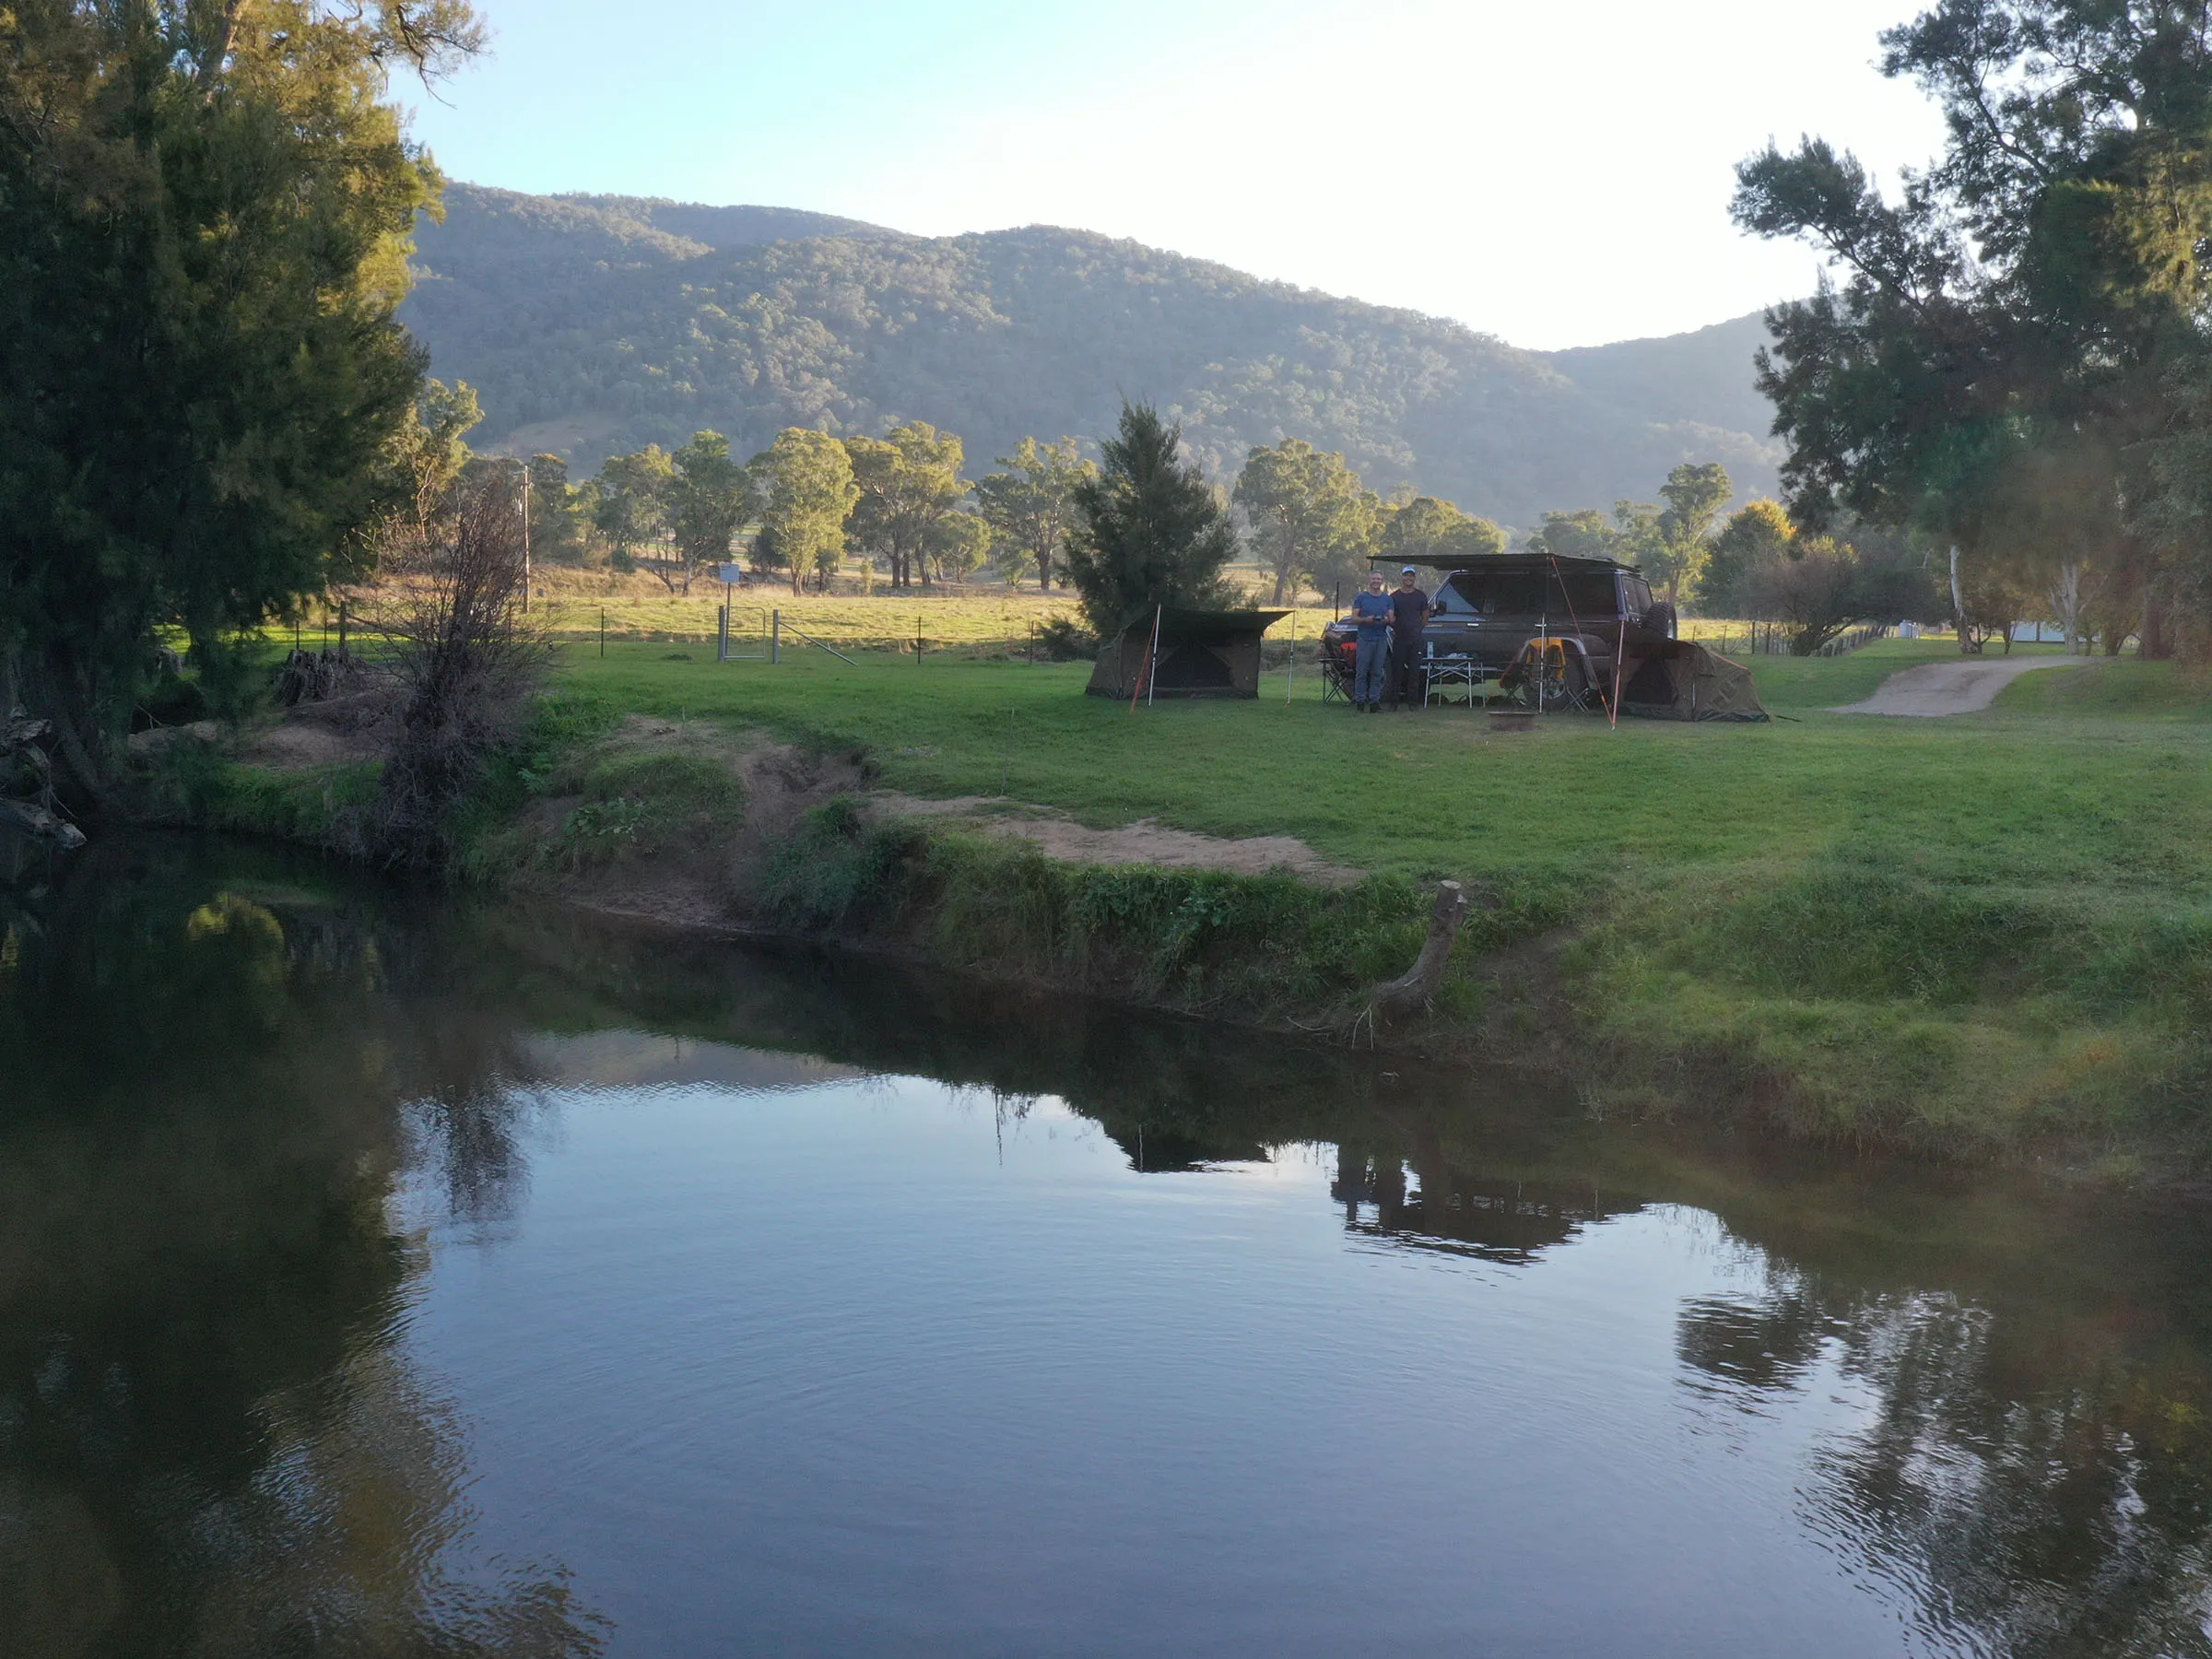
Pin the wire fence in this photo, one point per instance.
(1777, 639)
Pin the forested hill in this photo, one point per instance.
(594, 324)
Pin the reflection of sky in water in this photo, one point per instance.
(337, 1307)
(868, 1366)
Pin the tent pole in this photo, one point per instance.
(1620, 636)
(1144, 680)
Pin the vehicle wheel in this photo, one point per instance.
(1661, 619)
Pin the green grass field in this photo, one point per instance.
(1981, 931)
(2072, 776)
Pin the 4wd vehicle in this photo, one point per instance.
(1487, 612)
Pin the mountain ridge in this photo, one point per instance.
(594, 323)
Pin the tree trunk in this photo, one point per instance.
(2151, 640)
(1958, 603)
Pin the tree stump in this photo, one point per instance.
(1415, 988)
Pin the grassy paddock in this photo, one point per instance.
(1987, 933)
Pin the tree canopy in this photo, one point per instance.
(1694, 496)
(1310, 517)
(205, 396)
(1031, 505)
(710, 496)
(1428, 528)
(806, 491)
(909, 479)
(2026, 311)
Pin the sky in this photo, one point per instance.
(1555, 175)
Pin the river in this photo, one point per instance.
(383, 1272)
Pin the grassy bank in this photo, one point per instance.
(1984, 933)
(1988, 935)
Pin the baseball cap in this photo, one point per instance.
(1408, 570)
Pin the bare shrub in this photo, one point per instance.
(466, 658)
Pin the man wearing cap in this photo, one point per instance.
(1370, 659)
(1408, 616)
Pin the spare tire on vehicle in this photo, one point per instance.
(1661, 619)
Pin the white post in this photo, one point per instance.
(525, 537)
(1958, 598)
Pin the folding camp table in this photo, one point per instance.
(1449, 676)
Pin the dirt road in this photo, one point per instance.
(1957, 687)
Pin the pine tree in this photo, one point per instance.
(1150, 530)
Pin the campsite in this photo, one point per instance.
(1194, 828)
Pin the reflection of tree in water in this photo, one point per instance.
(470, 1094)
(210, 1442)
(2035, 1495)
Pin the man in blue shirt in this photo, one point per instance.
(1371, 661)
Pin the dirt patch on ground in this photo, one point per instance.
(1143, 842)
(699, 880)
(300, 747)
(338, 730)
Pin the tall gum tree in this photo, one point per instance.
(1032, 503)
(909, 479)
(1307, 509)
(2038, 290)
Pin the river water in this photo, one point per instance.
(386, 1273)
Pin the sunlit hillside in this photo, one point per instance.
(591, 326)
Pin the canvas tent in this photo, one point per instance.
(1680, 679)
(1202, 654)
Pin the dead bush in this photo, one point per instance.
(466, 659)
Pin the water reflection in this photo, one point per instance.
(222, 1072)
(210, 1442)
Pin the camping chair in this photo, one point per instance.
(1336, 677)
(1550, 673)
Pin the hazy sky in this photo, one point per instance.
(1557, 175)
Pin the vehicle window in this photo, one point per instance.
(1639, 594)
(1449, 600)
(1532, 596)
(1502, 596)
(1586, 595)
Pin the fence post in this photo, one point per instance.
(775, 636)
(603, 634)
(721, 632)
